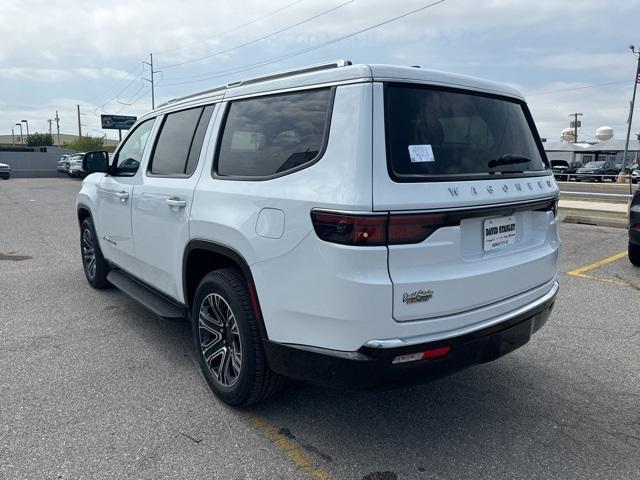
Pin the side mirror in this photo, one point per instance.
(95, 162)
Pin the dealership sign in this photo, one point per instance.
(117, 122)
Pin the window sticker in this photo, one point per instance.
(421, 153)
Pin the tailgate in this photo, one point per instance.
(482, 258)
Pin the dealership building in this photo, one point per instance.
(606, 148)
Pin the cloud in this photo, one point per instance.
(91, 53)
(59, 74)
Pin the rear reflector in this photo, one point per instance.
(426, 355)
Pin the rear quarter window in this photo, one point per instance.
(269, 136)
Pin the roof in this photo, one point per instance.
(614, 145)
(338, 72)
(562, 147)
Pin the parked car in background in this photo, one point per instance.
(5, 171)
(634, 229)
(63, 164)
(560, 169)
(75, 166)
(338, 224)
(635, 175)
(598, 172)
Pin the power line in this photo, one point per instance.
(270, 61)
(546, 92)
(115, 85)
(231, 30)
(256, 40)
(139, 75)
(133, 100)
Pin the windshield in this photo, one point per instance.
(435, 132)
(594, 165)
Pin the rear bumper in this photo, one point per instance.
(372, 367)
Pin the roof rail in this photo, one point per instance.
(264, 78)
(296, 71)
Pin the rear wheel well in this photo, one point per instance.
(83, 214)
(199, 263)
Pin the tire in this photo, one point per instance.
(224, 325)
(93, 263)
(634, 254)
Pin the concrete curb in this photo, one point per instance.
(595, 220)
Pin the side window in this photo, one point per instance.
(198, 140)
(170, 154)
(177, 148)
(128, 158)
(266, 136)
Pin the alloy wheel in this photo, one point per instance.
(220, 339)
(88, 253)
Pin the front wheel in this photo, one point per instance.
(95, 266)
(228, 341)
(634, 254)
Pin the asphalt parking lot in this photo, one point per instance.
(93, 386)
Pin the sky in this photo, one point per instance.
(564, 56)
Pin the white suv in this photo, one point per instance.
(347, 225)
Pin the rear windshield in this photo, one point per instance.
(437, 133)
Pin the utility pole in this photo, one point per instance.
(150, 80)
(21, 136)
(575, 126)
(49, 125)
(79, 125)
(58, 126)
(636, 80)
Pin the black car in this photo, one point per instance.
(560, 169)
(634, 229)
(598, 172)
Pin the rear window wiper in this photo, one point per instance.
(508, 159)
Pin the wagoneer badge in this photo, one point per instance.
(416, 297)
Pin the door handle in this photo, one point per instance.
(176, 202)
(122, 196)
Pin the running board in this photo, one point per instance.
(161, 306)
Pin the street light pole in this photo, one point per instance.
(636, 80)
(13, 138)
(21, 137)
(27, 124)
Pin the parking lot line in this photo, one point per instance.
(582, 271)
(293, 449)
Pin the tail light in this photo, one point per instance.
(413, 228)
(346, 229)
(375, 230)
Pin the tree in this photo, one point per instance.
(86, 144)
(40, 140)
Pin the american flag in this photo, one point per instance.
(638, 78)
